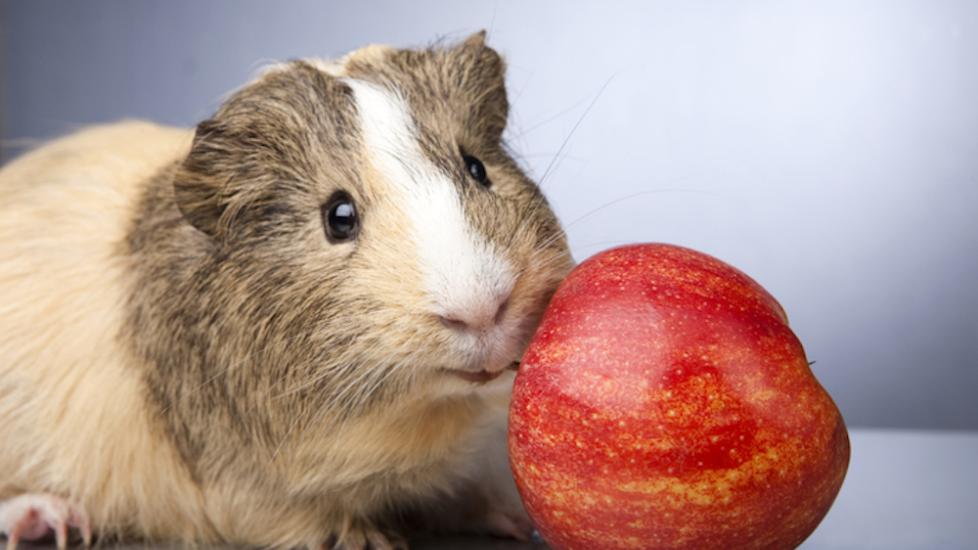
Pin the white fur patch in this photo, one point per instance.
(465, 277)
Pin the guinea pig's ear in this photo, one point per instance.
(476, 40)
(270, 131)
(482, 75)
(198, 188)
(482, 65)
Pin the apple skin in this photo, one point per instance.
(665, 403)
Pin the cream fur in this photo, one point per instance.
(74, 415)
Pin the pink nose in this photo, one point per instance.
(477, 318)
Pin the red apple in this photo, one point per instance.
(664, 403)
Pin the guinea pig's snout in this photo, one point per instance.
(476, 318)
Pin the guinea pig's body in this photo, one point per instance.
(290, 327)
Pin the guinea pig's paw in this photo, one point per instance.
(33, 516)
(365, 537)
(511, 523)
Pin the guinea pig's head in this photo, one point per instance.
(376, 233)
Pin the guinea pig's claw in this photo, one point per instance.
(32, 516)
(379, 541)
(364, 538)
(510, 524)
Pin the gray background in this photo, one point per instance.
(829, 149)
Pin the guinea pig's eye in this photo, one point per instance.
(476, 169)
(340, 218)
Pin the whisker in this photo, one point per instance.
(538, 201)
(285, 439)
(615, 242)
(524, 131)
(550, 155)
(325, 372)
(519, 93)
(597, 96)
(541, 199)
(492, 22)
(608, 204)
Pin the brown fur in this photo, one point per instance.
(297, 385)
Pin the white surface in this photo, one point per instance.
(905, 490)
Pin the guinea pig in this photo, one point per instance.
(294, 326)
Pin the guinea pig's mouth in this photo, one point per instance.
(480, 376)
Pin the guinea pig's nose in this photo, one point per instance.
(476, 318)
